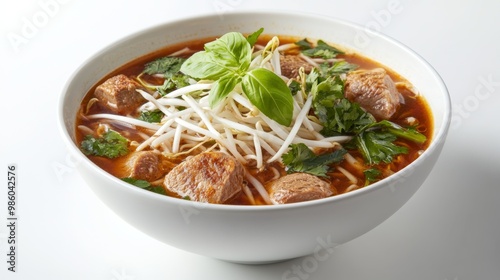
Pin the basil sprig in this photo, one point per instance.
(227, 62)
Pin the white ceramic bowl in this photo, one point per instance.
(261, 234)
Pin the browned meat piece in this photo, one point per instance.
(290, 65)
(144, 165)
(212, 177)
(374, 90)
(119, 94)
(297, 187)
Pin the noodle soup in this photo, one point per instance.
(253, 119)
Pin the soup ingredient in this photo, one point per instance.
(252, 38)
(153, 116)
(212, 177)
(371, 175)
(119, 94)
(337, 114)
(321, 50)
(374, 90)
(341, 116)
(111, 145)
(302, 159)
(168, 66)
(375, 141)
(144, 165)
(227, 61)
(290, 65)
(144, 185)
(337, 68)
(231, 102)
(298, 187)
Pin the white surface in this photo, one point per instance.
(449, 230)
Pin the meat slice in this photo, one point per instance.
(374, 90)
(144, 165)
(290, 65)
(119, 94)
(297, 187)
(212, 177)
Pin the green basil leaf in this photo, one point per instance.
(221, 88)
(252, 38)
(232, 50)
(203, 65)
(270, 94)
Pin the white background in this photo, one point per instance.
(450, 229)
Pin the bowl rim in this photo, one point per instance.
(439, 137)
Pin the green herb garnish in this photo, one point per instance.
(339, 116)
(252, 38)
(111, 145)
(227, 62)
(371, 175)
(154, 116)
(321, 50)
(168, 66)
(143, 184)
(302, 159)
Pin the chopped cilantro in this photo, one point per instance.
(111, 145)
(294, 87)
(173, 82)
(337, 114)
(337, 68)
(151, 116)
(377, 146)
(168, 66)
(304, 44)
(371, 175)
(136, 182)
(322, 50)
(143, 184)
(375, 141)
(301, 159)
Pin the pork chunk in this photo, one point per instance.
(297, 187)
(212, 177)
(144, 165)
(290, 65)
(374, 90)
(119, 94)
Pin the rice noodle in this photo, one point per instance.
(348, 174)
(259, 187)
(351, 188)
(125, 119)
